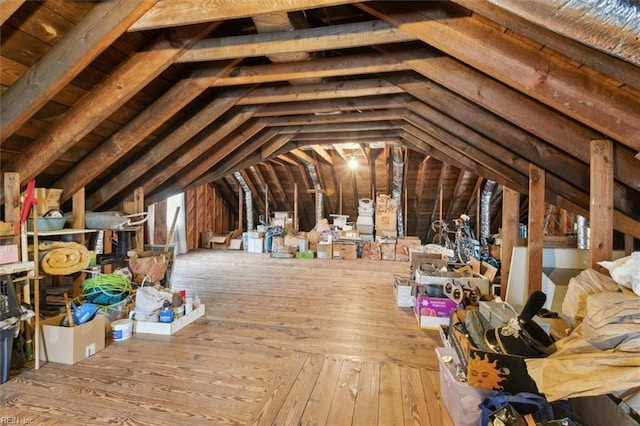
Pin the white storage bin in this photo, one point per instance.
(460, 399)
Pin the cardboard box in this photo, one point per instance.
(351, 233)
(386, 221)
(388, 251)
(325, 250)
(402, 253)
(418, 258)
(345, 250)
(168, 328)
(68, 345)
(8, 253)
(404, 292)
(256, 245)
(466, 282)
(371, 250)
(432, 312)
(488, 370)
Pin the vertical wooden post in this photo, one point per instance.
(160, 223)
(138, 202)
(240, 208)
(295, 207)
(535, 228)
(77, 204)
(601, 203)
(440, 208)
(510, 225)
(628, 244)
(36, 289)
(11, 186)
(266, 204)
(340, 210)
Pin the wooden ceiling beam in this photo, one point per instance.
(348, 117)
(335, 106)
(556, 83)
(342, 127)
(454, 146)
(318, 68)
(7, 8)
(233, 149)
(564, 135)
(104, 23)
(171, 144)
(344, 137)
(223, 155)
(255, 193)
(600, 61)
(141, 126)
(455, 193)
(322, 153)
(342, 36)
(271, 171)
(425, 143)
(168, 13)
(315, 92)
(106, 98)
(303, 156)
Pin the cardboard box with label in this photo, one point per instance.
(345, 250)
(432, 312)
(68, 345)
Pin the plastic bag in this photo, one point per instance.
(625, 271)
(150, 299)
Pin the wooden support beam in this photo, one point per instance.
(106, 98)
(535, 228)
(7, 8)
(332, 37)
(510, 232)
(601, 203)
(104, 23)
(141, 126)
(169, 13)
(11, 185)
(172, 142)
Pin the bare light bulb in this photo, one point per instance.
(353, 163)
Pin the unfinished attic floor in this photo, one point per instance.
(282, 342)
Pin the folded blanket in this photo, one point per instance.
(62, 258)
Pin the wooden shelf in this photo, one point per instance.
(64, 231)
(16, 267)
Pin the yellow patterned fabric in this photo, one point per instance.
(62, 258)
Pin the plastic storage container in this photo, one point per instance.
(460, 399)
(6, 347)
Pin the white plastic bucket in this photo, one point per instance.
(121, 329)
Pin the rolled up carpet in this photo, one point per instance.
(62, 258)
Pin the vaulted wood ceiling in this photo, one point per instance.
(443, 96)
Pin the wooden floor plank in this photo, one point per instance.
(282, 341)
(391, 407)
(344, 398)
(367, 400)
(319, 404)
(413, 397)
(296, 402)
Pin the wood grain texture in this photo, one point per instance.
(283, 341)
